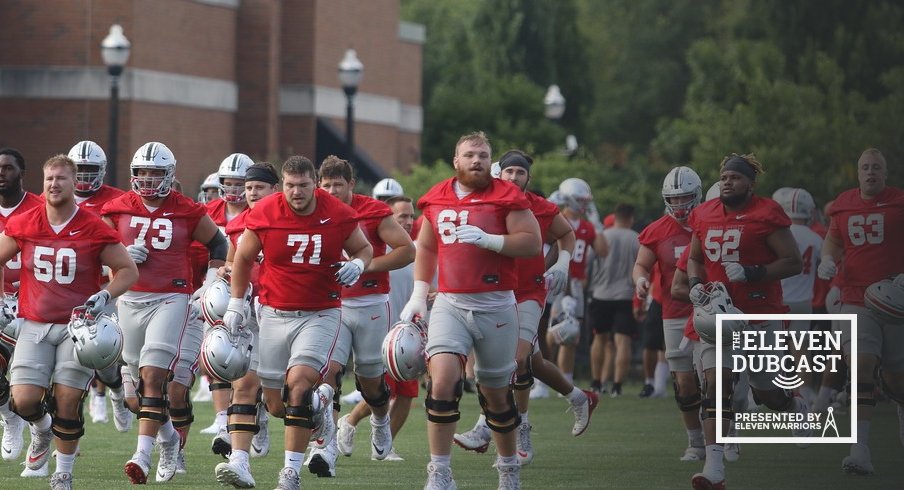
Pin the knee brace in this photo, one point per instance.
(380, 400)
(68, 429)
(4, 390)
(866, 394)
(183, 417)
(299, 415)
(502, 422)
(443, 411)
(41, 409)
(151, 408)
(337, 393)
(688, 403)
(243, 426)
(111, 376)
(6, 355)
(220, 385)
(708, 409)
(526, 380)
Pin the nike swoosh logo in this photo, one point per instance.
(472, 200)
(380, 452)
(500, 325)
(74, 232)
(740, 216)
(38, 457)
(880, 204)
(255, 448)
(294, 460)
(7, 451)
(90, 204)
(375, 317)
(168, 214)
(325, 220)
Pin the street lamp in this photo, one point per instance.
(115, 51)
(554, 109)
(350, 72)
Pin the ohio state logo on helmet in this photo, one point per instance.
(404, 350)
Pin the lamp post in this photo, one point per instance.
(351, 70)
(554, 109)
(115, 51)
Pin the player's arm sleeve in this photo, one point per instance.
(218, 247)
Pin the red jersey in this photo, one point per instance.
(297, 272)
(416, 227)
(167, 233)
(62, 269)
(740, 236)
(667, 239)
(655, 290)
(681, 265)
(531, 285)
(200, 256)
(871, 232)
(96, 201)
(371, 213)
(463, 267)
(233, 232)
(584, 235)
(12, 268)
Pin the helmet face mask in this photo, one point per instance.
(576, 194)
(153, 171)
(91, 164)
(682, 191)
(233, 167)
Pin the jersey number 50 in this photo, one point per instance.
(58, 265)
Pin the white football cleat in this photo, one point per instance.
(525, 449)
(41, 472)
(288, 480)
(392, 456)
(345, 436)
(732, 452)
(477, 439)
(61, 481)
(692, 453)
(138, 467)
(583, 410)
(352, 398)
(380, 439)
(539, 390)
(13, 440)
(323, 460)
(260, 443)
(98, 409)
(509, 476)
(859, 462)
(169, 454)
(122, 417)
(221, 444)
(39, 450)
(236, 474)
(439, 478)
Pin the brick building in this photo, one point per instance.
(209, 78)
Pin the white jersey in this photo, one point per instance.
(799, 288)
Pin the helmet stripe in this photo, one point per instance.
(150, 153)
(84, 152)
(677, 177)
(235, 162)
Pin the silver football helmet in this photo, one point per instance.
(797, 203)
(153, 156)
(91, 163)
(234, 166)
(886, 298)
(387, 188)
(682, 182)
(404, 350)
(227, 357)
(567, 331)
(576, 193)
(714, 191)
(717, 301)
(215, 300)
(98, 340)
(9, 321)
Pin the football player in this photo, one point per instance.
(866, 231)
(63, 248)
(534, 282)
(14, 200)
(303, 233)
(365, 312)
(745, 242)
(661, 243)
(157, 225)
(484, 222)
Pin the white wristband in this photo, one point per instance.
(421, 288)
(236, 304)
(495, 242)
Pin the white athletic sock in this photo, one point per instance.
(441, 459)
(374, 420)
(145, 445)
(481, 422)
(714, 467)
(238, 456)
(221, 418)
(575, 395)
(524, 418)
(64, 462)
(43, 424)
(695, 438)
(293, 460)
(506, 460)
(5, 412)
(863, 432)
(661, 377)
(166, 430)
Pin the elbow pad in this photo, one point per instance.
(217, 247)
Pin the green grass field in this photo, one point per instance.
(631, 443)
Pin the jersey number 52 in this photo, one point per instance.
(722, 245)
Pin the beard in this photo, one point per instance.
(733, 200)
(476, 182)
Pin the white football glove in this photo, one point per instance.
(593, 216)
(642, 288)
(209, 279)
(7, 315)
(475, 236)
(417, 305)
(697, 295)
(97, 302)
(735, 272)
(568, 305)
(827, 268)
(349, 272)
(139, 253)
(557, 276)
(234, 318)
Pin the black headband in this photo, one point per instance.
(740, 165)
(514, 160)
(261, 174)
